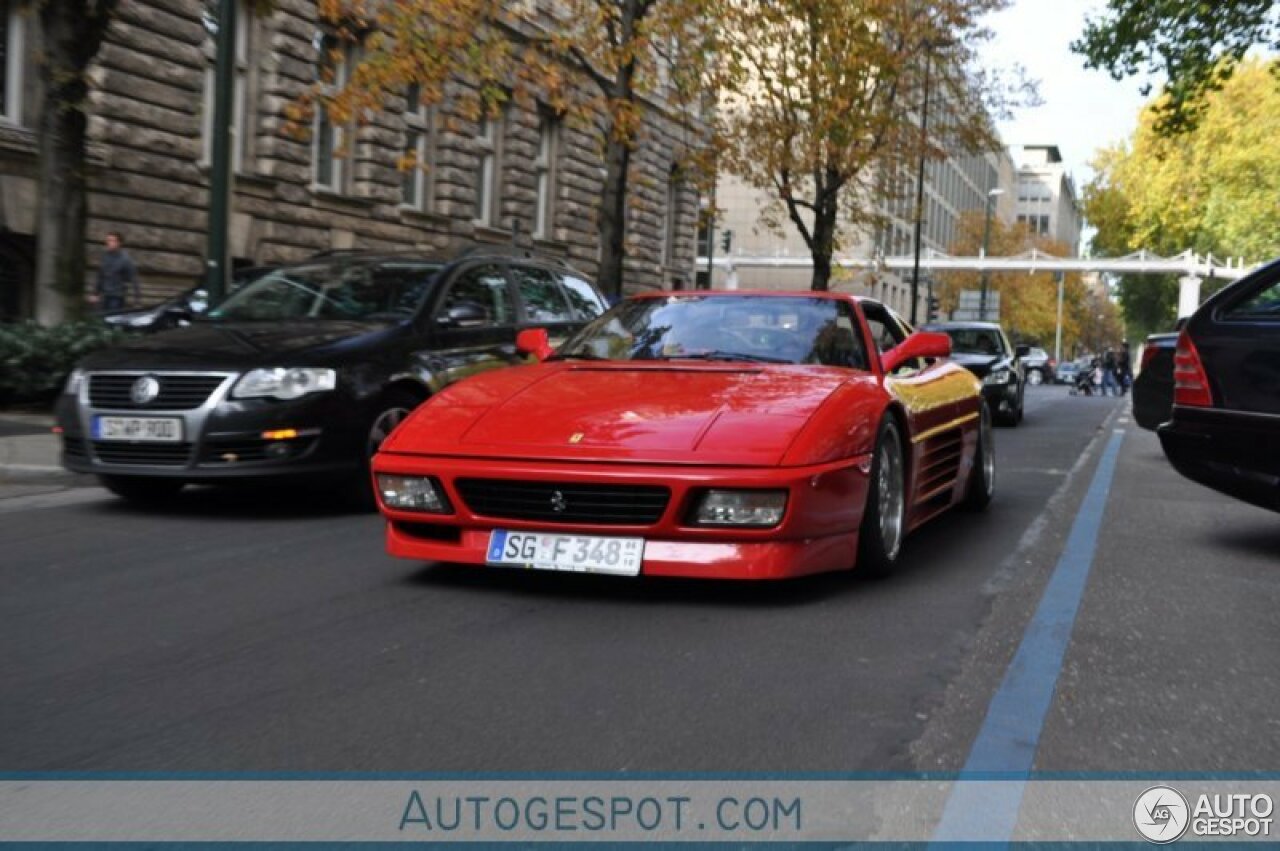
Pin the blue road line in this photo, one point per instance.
(1010, 734)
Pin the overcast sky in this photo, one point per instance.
(1083, 110)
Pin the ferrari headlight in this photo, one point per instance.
(412, 493)
(741, 508)
(281, 383)
(74, 380)
(1000, 376)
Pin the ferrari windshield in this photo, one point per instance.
(388, 289)
(762, 329)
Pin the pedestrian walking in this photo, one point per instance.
(1124, 368)
(117, 277)
(1109, 385)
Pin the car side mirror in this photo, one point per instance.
(463, 315)
(1021, 351)
(922, 344)
(534, 341)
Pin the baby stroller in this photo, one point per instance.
(1088, 381)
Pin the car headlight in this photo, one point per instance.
(741, 508)
(74, 381)
(412, 493)
(1000, 376)
(281, 383)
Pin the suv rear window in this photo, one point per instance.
(1264, 305)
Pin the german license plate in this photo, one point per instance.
(574, 553)
(148, 429)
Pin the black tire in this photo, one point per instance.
(390, 411)
(880, 537)
(982, 479)
(1035, 376)
(143, 490)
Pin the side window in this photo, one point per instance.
(584, 301)
(885, 332)
(478, 297)
(543, 298)
(1263, 306)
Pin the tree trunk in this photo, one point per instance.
(822, 247)
(73, 32)
(612, 219)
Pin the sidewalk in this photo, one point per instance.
(29, 453)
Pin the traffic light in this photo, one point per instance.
(934, 304)
(726, 241)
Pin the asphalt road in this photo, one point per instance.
(269, 632)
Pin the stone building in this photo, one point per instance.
(342, 188)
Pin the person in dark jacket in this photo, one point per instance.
(117, 277)
(1124, 368)
(1110, 387)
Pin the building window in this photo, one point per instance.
(488, 145)
(12, 53)
(239, 102)
(419, 152)
(545, 167)
(333, 69)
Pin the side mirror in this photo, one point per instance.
(468, 313)
(922, 344)
(534, 341)
(1021, 351)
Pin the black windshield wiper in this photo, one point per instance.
(722, 355)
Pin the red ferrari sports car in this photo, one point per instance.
(743, 435)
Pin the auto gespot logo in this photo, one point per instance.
(1162, 815)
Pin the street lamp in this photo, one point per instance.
(986, 241)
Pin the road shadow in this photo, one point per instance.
(1260, 540)
(247, 502)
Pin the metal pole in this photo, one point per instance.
(924, 144)
(711, 242)
(220, 167)
(986, 241)
(1057, 339)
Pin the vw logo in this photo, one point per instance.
(558, 502)
(144, 390)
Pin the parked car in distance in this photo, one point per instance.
(984, 349)
(304, 371)
(1225, 429)
(179, 310)
(742, 435)
(1066, 372)
(1038, 366)
(1153, 385)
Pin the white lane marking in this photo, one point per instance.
(57, 499)
(29, 468)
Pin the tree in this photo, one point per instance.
(1196, 45)
(1212, 189)
(822, 104)
(1028, 301)
(72, 32)
(481, 53)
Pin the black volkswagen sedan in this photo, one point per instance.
(304, 371)
(1225, 429)
(984, 349)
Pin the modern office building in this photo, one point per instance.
(1047, 202)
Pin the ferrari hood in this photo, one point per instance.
(738, 414)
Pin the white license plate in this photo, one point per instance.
(574, 553)
(149, 429)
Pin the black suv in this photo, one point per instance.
(984, 349)
(307, 369)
